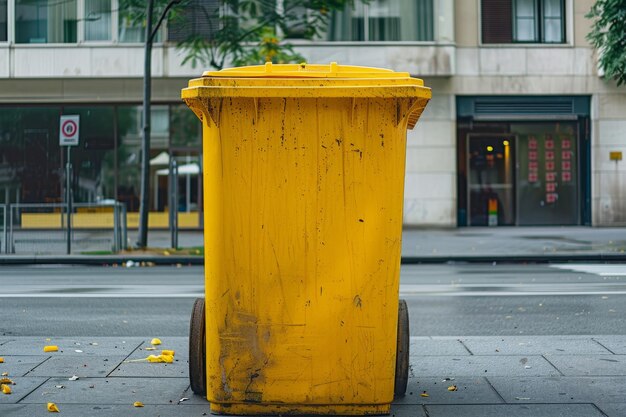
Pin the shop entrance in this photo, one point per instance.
(528, 175)
(523, 160)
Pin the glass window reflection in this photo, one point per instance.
(43, 21)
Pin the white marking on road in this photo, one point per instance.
(103, 295)
(510, 293)
(602, 270)
(406, 290)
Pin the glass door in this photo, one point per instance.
(188, 188)
(547, 189)
(491, 163)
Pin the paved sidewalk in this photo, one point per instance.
(485, 244)
(522, 376)
(515, 243)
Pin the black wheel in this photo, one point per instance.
(197, 348)
(402, 351)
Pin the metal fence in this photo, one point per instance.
(43, 228)
(4, 232)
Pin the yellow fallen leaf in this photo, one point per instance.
(5, 374)
(1, 360)
(137, 404)
(168, 352)
(5, 380)
(48, 339)
(155, 341)
(452, 388)
(424, 394)
(166, 253)
(5, 389)
(150, 348)
(51, 348)
(52, 407)
(160, 359)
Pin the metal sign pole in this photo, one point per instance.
(68, 201)
(173, 202)
(68, 136)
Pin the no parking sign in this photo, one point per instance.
(68, 133)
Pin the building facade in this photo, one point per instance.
(521, 129)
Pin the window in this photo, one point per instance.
(94, 158)
(97, 20)
(523, 21)
(44, 21)
(185, 131)
(198, 17)
(384, 20)
(30, 155)
(134, 32)
(3, 20)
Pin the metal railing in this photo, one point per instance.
(5, 231)
(42, 228)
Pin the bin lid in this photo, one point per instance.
(308, 81)
(305, 80)
(332, 70)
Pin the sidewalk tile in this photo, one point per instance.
(533, 345)
(23, 386)
(81, 366)
(110, 391)
(178, 369)
(468, 366)
(21, 365)
(70, 346)
(613, 409)
(193, 398)
(561, 389)
(616, 344)
(589, 365)
(181, 410)
(440, 347)
(470, 391)
(407, 411)
(517, 410)
(178, 344)
(121, 410)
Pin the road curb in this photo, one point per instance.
(100, 260)
(406, 260)
(526, 258)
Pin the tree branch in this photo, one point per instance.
(155, 29)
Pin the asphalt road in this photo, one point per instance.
(444, 300)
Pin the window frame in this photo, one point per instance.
(435, 5)
(567, 30)
(8, 16)
(80, 29)
(539, 23)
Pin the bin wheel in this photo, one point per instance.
(402, 351)
(197, 348)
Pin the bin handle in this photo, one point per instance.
(206, 108)
(410, 110)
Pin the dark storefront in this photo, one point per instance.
(107, 160)
(523, 161)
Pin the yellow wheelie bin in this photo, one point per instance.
(303, 192)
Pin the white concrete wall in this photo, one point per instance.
(609, 177)
(81, 61)
(430, 184)
(420, 60)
